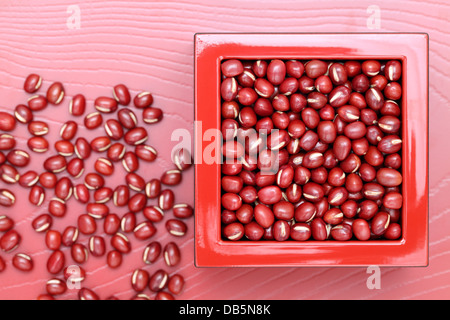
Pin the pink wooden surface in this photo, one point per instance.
(149, 45)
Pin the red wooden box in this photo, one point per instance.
(412, 248)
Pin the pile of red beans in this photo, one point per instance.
(63, 177)
(311, 150)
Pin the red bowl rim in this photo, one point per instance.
(412, 48)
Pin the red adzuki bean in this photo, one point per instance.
(122, 94)
(32, 83)
(23, 262)
(77, 105)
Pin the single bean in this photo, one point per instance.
(23, 114)
(319, 229)
(23, 262)
(32, 83)
(152, 252)
(55, 93)
(172, 255)
(77, 105)
(361, 229)
(122, 94)
(56, 262)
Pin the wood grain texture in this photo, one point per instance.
(149, 45)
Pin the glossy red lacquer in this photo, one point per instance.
(412, 248)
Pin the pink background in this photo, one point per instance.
(149, 46)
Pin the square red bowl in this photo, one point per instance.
(412, 248)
